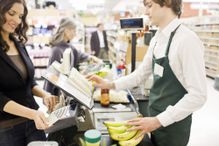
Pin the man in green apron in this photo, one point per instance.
(175, 58)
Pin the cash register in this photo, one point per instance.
(83, 111)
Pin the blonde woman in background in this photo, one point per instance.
(60, 41)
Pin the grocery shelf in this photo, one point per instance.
(207, 28)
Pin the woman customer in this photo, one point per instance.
(60, 42)
(20, 121)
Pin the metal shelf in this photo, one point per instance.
(207, 30)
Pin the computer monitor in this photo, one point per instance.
(132, 23)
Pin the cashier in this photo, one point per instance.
(175, 58)
(61, 41)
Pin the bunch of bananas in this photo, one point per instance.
(118, 131)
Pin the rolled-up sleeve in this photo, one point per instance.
(140, 75)
(34, 83)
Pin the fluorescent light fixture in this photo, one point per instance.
(207, 1)
(86, 4)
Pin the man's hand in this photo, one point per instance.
(100, 82)
(146, 124)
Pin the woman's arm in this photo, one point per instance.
(38, 91)
(22, 111)
(95, 59)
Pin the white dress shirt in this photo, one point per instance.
(101, 39)
(186, 58)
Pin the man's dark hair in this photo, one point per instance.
(49, 3)
(175, 5)
(98, 25)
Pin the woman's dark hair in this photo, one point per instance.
(175, 5)
(20, 31)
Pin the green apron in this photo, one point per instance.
(167, 90)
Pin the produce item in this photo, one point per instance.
(114, 123)
(118, 130)
(123, 136)
(101, 73)
(133, 141)
(114, 96)
(81, 142)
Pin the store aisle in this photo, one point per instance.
(205, 126)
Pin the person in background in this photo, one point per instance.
(20, 121)
(98, 43)
(60, 41)
(175, 58)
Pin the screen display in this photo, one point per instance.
(131, 23)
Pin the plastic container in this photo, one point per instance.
(104, 99)
(43, 143)
(92, 137)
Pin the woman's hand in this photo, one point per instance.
(146, 124)
(50, 101)
(95, 59)
(40, 120)
(100, 82)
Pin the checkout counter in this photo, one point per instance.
(138, 104)
(86, 114)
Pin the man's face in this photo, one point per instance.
(154, 11)
(101, 28)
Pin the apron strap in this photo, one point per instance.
(153, 49)
(170, 40)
